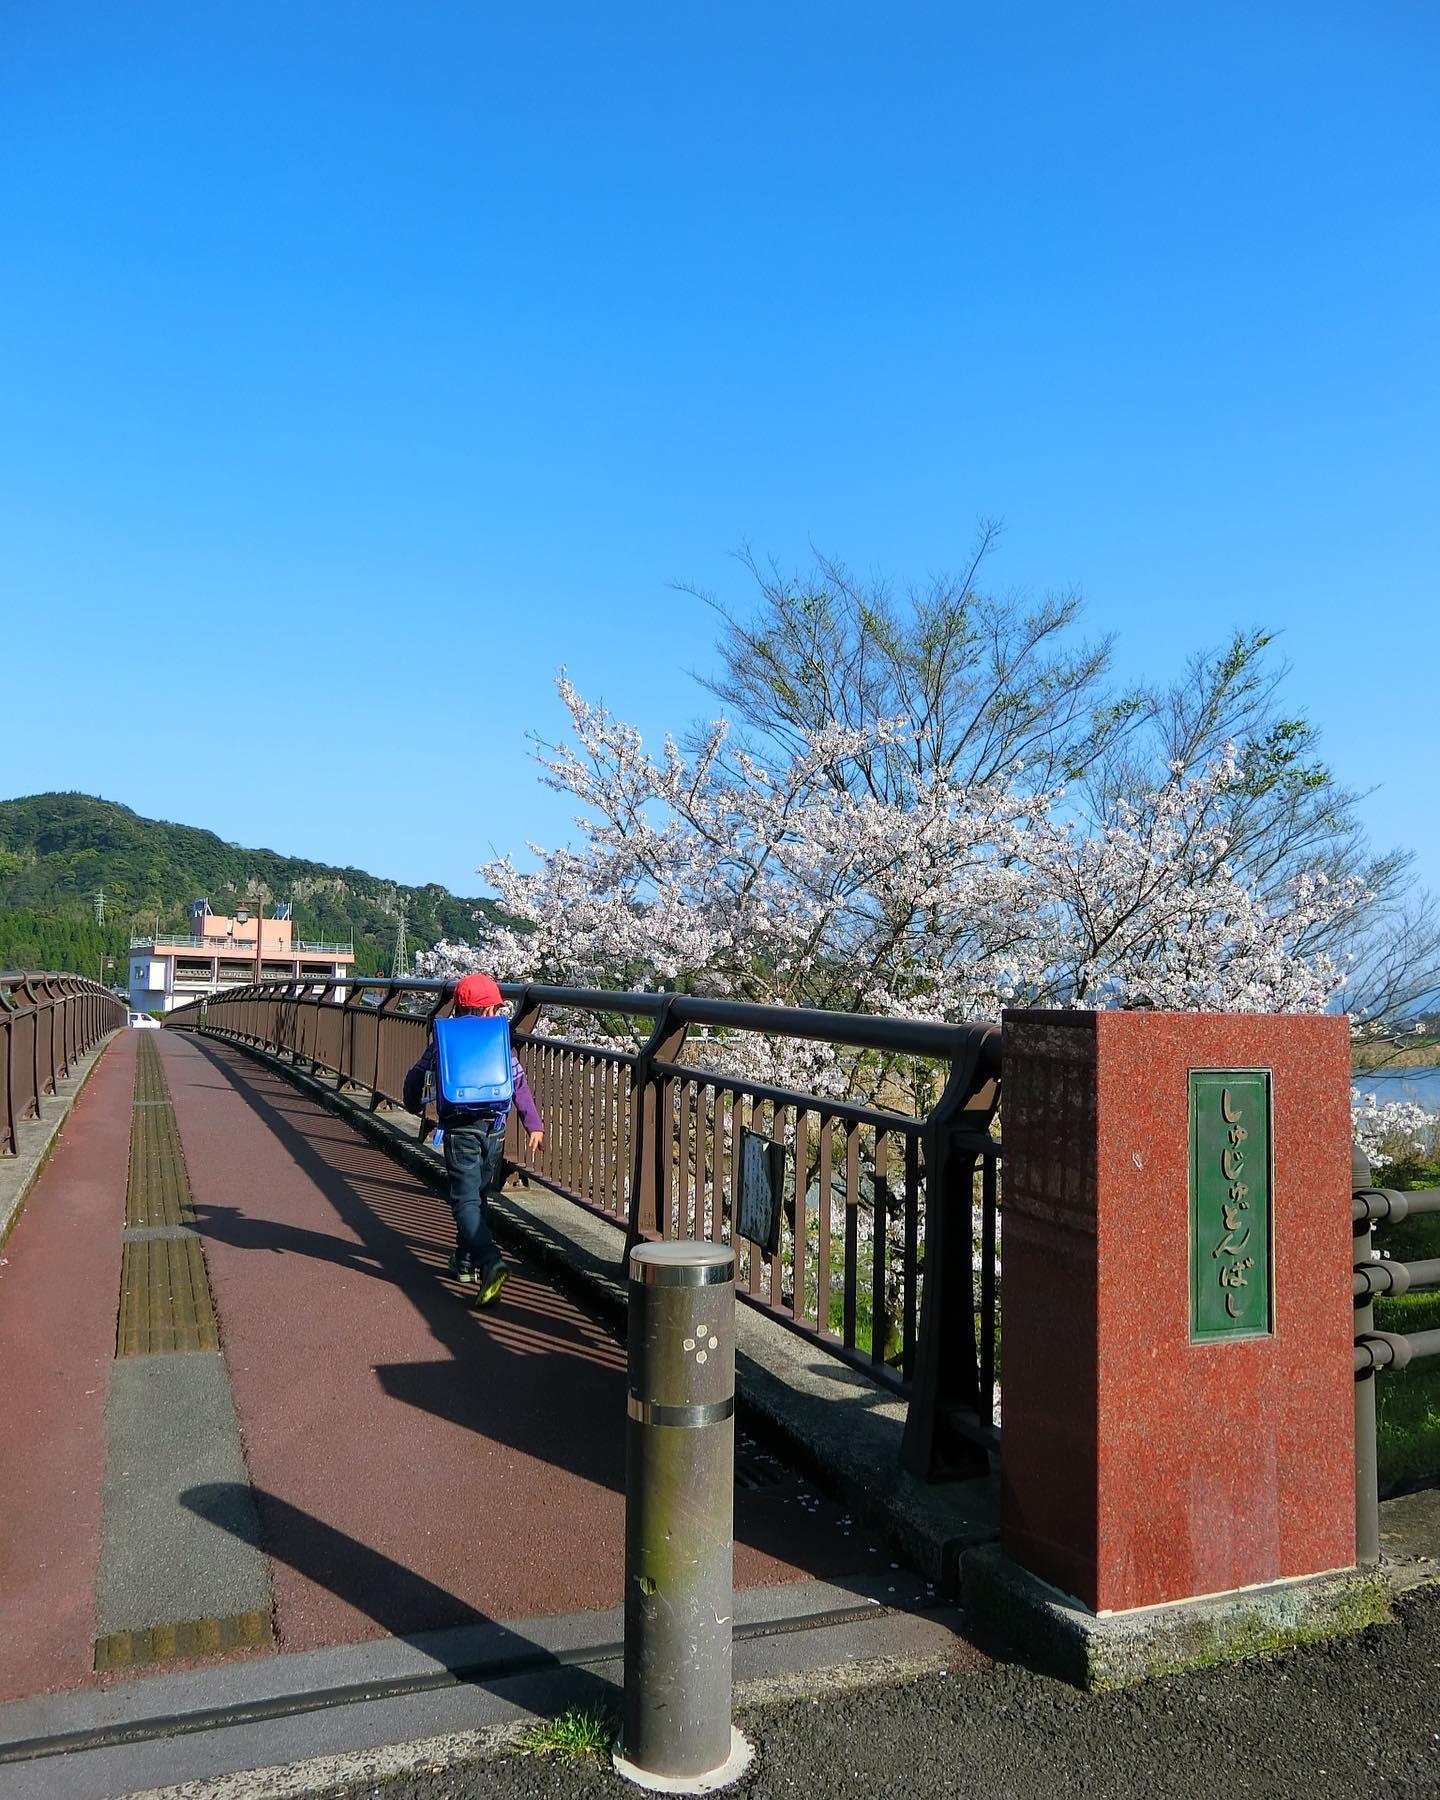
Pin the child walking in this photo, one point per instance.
(474, 1145)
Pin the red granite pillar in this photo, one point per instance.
(1177, 1369)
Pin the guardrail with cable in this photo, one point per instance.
(1370, 1208)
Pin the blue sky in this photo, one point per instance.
(362, 364)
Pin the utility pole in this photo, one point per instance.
(260, 937)
(257, 888)
(100, 921)
(397, 968)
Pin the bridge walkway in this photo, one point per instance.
(245, 1411)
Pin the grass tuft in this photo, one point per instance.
(574, 1736)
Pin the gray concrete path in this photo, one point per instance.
(170, 1426)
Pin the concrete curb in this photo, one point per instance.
(827, 1420)
(36, 1138)
(1058, 1635)
(455, 1751)
(349, 1769)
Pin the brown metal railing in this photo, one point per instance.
(47, 1023)
(886, 1245)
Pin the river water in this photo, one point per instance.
(1420, 1085)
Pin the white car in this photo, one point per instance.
(144, 1022)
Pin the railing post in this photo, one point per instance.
(646, 1144)
(523, 1019)
(679, 1520)
(59, 1067)
(53, 1026)
(947, 1386)
(344, 1075)
(37, 1087)
(387, 1005)
(321, 999)
(64, 992)
(8, 1136)
(1367, 1467)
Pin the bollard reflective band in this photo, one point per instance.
(707, 1274)
(651, 1412)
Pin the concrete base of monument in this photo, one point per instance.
(1056, 1633)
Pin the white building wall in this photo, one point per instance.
(147, 986)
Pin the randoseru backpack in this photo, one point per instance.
(473, 1071)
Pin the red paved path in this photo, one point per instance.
(417, 1463)
(59, 1293)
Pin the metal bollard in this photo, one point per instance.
(679, 1520)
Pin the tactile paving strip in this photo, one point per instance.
(165, 1303)
(149, 1074)
(159, 1190)
(187, 1638)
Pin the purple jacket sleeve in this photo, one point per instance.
(524, 1099)
(415, 1080)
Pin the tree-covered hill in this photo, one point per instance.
(58, 851)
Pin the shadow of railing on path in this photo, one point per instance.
(538, 1375)
(499, 1372)
(470, 1648)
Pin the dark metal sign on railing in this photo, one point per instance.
(47, 1023)
(880, 1215)
(762, 1191)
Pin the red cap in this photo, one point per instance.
(477, 990)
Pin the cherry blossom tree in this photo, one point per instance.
(799, 879)
(1390, 1131)
(994, 684)
(796, 881)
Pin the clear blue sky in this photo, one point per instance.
(360, 364)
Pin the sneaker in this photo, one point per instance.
(462, 1269)
(491, 1282)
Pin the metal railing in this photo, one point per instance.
(227, 977)
(884, 1250)
(237, 946)
(1371, 1207)
(47, 1023)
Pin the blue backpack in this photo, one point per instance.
(473, 1070)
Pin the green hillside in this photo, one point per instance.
(57, 851)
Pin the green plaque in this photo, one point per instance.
(1230, 1285)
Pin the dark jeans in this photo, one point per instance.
(472, 1161)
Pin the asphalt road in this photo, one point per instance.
(1356, 1718)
